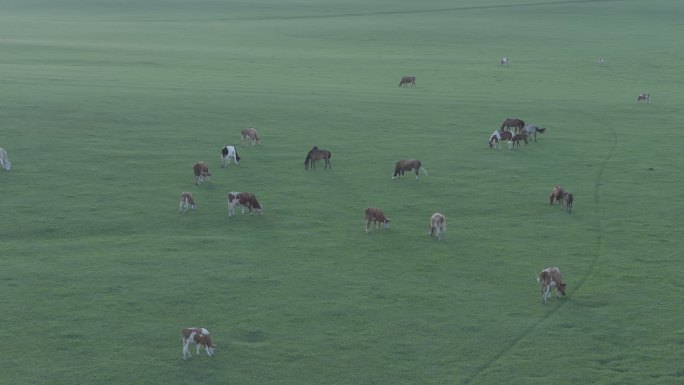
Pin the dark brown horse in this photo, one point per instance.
(316, 154)
(513, 122)
(517, 138)
(407, 80)
(569, 198)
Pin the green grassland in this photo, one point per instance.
(105, 106)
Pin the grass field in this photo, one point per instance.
(105, 106)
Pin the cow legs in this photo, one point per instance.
(186, 351)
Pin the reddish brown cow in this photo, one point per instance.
(551, 278)
(244, 199)
(557, 196)
(201, 172)
(199, 337)
(186, 201)
(376, 216)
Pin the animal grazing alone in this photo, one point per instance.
(187, 202)
(518, 124)
(250, 135)
(517, 138)
(198, 336)
(4, 160)
(644, 97)
(408, 80)
(569, 199)
(407, 165)
(315, 154)
(228, 153)
(601, 61)
(557, 196)
(243, 199)
(532, 130)
(375, 215)
(201, 172)
(438, 226)
(497, 136)
(504, 61)
(551, 278)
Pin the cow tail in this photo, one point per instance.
(424, 170)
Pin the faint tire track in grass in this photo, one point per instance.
(592, 267)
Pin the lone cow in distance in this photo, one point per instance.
(407, 81)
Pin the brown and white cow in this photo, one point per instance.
(186, 202)
(438, 225)
(201, 172)
(198, 336)
(407, 165)
(249, 134)
(644, 97)
(551, 278)
(244, 199)
(376, 216)
(557, 195)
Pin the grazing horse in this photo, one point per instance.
(531, 130)
(504, 61)
(644, 97)
(407, 165)
(569, 198)
(497, 137)
(518, 124)
(438, 225)
(316, 154)
(249, 134)
(407, 80)
(4, 160)
(557, 195)
(517, 138)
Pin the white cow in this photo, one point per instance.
(504, 61)
(228, 153)
(4, 160)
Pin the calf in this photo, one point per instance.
(4, 160)
(551, 278)
(199, 337)
(438, 225)
(557, 195)
(569, 198)
(201, 172)
(249, 134)
(228, 153)
(407, 165)
(376, 216)
(186, 201)
(244, 199)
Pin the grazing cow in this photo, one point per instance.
(407, 165)
(518, 124)
(504, 61)
(551, 278)
(644, 97)
(532, 130)
(187, 201)
(198, 336)
(376, 216)
(557, 195)
(438, 225)
(569, 199)
(201, 172)
(601, 61)
(244, 199)
(4, 160)
(228, 153)
(517, 138)
(249, 134)
(407, 80)
(496, 138)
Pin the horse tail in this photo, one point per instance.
(329, 154)
(308, 158)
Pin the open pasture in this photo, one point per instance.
(106, 106)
